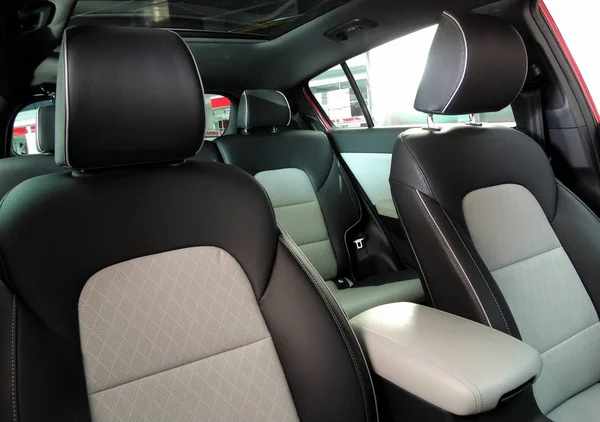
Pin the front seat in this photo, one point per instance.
(498, 239)
(162, 290)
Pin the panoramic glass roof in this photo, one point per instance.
(253, 18)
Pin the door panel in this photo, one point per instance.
(368, 154)
(372, 170)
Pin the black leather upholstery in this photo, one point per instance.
(260, 108)
(311, 152)
(578, 229)
(208, 152)
(476, 64)
(447, 164)
(103, 218)
(135, 106)
(45, 129)
(14, 170)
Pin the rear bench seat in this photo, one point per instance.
(14, 170)
(311, 197)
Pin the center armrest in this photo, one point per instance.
(458, 365)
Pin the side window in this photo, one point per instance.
(575, 31)
(332, 90)
(217, 109)
(24, 132)
(388, 82)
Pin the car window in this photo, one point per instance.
(575, 31)
(388, 77)
(218, 109)
(24, 132)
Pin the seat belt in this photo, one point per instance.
(534, 116)
(528, 108)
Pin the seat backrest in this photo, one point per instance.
(163, 290)
(14, 170)
(208, 152)
(311, 195)
(498, 239)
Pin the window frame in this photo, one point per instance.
(353, 85)
(10, 152)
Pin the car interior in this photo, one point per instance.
(299, 210)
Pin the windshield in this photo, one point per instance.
(259, 18)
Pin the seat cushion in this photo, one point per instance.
(358, 299)
(583, 407)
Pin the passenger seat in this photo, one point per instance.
(14, 170)
(311, 196)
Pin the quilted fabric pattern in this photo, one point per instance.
(245, 384)
(298, 211)
(158, 312)
(545, 295)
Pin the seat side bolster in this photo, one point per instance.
(445, 252)
(296, 329)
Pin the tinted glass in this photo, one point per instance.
(388, 77)
(261, 18)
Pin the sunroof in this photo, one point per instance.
(249, 18)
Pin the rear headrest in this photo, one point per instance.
(45, 129)
(263, 108)
(476, 64)
(126, 96)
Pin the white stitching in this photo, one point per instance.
(199, 80)
(417, 165)
(66, 82)
(466, 60)
(13, 360)
(449, 248)
(331, 311)
(415, 254)
(288, 106)
(526, 65)
(246, 110)
(480, 272)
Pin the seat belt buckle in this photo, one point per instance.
(343, 283)
(359, 243)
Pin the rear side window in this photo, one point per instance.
(24, 134)
(387, 77)
(218, 109)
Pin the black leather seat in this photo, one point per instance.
(499, 240)
(311, 195)
(208, 152)
(162, 290)
(14, 170)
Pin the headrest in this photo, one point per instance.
(263, 108)
(126, 96)
(45, 129)
(476, 64)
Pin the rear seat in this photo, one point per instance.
(208, 152)
(14, 170)
(311, 197)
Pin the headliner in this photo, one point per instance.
(229, 66)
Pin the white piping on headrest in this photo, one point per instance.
(466, 60)
(37, 129)
(66, 72)
(246, 108)
(526, 64)
(199, 80)
(288, 106)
